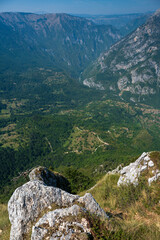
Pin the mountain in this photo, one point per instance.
(134, 23)
(39, 53)
(130, 68)
(119, 21)
(51, 40)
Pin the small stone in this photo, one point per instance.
(92, 206)
(0, 231)
(143, 168)
(153, 179)
(151, 163)
(147, 158)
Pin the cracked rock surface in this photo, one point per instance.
(61, 224)
(132, 172)
(34, 198)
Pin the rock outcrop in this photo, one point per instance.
(28, 202)
(32, 200)
(67, 223)
(132, 172)
(49, 178)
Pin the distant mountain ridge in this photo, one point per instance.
(131, 67)
(60, 40)
(119, 21)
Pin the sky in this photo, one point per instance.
(80, 6)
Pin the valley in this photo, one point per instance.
(50, 118)
(80, 96)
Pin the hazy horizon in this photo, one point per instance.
(90, 7)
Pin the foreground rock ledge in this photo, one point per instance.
(34, 199)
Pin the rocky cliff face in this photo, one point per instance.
(146, 165)
(131, 68)
(57, 40)
(143, 165)
(49, 212)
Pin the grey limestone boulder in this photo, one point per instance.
(64, 224)
(92, 206)
(29, 201)
(32, 200)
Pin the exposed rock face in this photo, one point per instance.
(132, 66)
(155, 177)
(49, 178)
(132, 172)
(29, 201)
(90, 83)
(91, 205)
(61, 224)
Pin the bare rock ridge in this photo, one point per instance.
(31, 201)
(131, 67)
(131, 173)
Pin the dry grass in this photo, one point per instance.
(4, 223)
(134, 209)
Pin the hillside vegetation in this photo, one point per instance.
(96, 137)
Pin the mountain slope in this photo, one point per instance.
(131, 67)
(118, 20)
(58, 40)
(133, 24)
